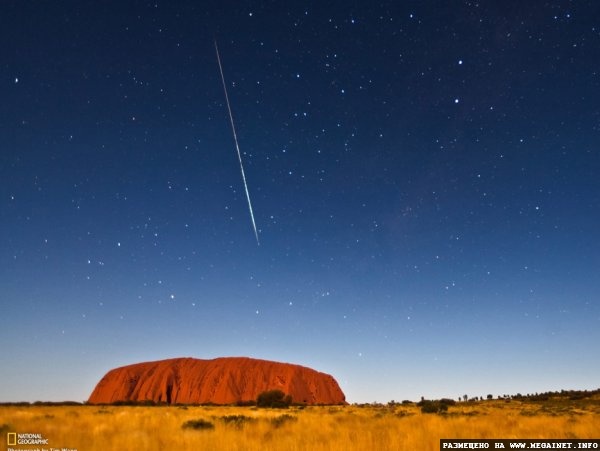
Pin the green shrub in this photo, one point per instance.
(274, 398)
(198, 425)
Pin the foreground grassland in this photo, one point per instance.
(398, 427)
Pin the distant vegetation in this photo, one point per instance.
(563, 394)
(42, 403)
(278, 399)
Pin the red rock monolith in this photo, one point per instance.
(225, 380)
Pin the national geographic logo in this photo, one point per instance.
(28, 439)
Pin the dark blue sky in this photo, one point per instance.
(424, 178)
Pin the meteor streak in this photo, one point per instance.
(237, 147)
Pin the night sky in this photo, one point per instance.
(424, 175)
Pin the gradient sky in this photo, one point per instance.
(425, 177)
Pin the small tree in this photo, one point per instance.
(274, 398)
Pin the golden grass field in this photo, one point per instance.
(397, 427)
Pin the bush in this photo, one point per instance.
(429, 407)
(282, 419)
(433, 407)
(198, 425)
(274, 398)
(237, 420)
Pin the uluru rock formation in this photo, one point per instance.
(225, 380)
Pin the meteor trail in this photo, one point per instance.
(237, 147)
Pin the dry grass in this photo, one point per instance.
(91, 428)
